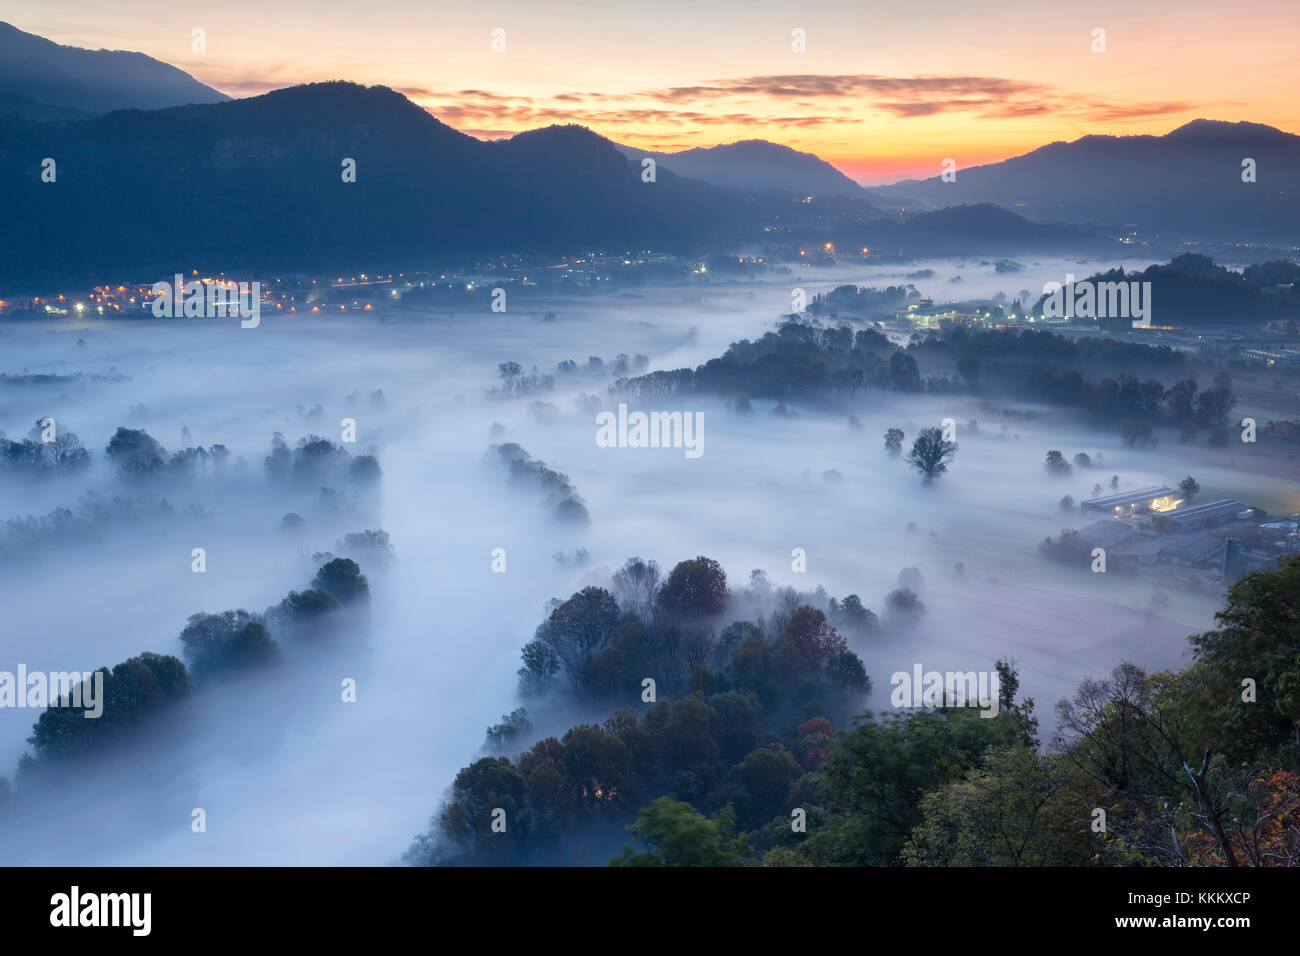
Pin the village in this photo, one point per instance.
(1165, 532)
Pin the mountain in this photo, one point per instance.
(256, 185)
(33, 68)
(28, 108)
(755, 165)
(1184, 184)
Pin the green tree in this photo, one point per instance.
(342, 578)
(876, 775)
(695, 588)
(1258, 639)
(807, 643)
(579, 629)
(303, 613)
(133, 692)
(229, 641)
(1014, 809)
(675, 834)
(930, 454)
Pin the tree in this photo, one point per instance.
(541, 664)
(510, 372)
(1213, 405)
(847, 674)
(365, 471)
(675, 834)
(133, 692)
(514, 724)
(1262, 827)
(637, 585)
(695, 588)
(1083, 459)
(1189, 487)
(765, 776)
(303, 613)
(1129, 739)
(852, 615)
(894, 441)
(877, 773)
(1067, 503)
(314, 460)
(1258, 637)
(65, 453)
(903, 605)
(599, 764)
(1012, 810)
(578, 630)
(1135, 433)
(342, 578)
(229, 641)
(135, 452)
(292, 524)
(478, 790)
(807, 643)
(930, 454)
(1056, 462)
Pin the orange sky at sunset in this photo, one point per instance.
(884, 90)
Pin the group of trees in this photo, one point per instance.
(863, 301)
(806, 360)
(931, 452)
(560, 497)
(710, 750)
(1196, 767)
(516, 382)
(601, 644)
(318, 462)
(47, 449)
(239, 641)
(133, 692)
(137, 455)
(595, 365)
(801, 360)
(138, 690)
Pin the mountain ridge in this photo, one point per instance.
(94, 81)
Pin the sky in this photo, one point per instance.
(883, 90)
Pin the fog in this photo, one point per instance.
(285, 771)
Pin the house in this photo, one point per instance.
(1103, 534)
(1207, 515)
(1156, 498)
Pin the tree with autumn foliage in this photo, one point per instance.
(1262, 827)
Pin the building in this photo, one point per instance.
(1103, 534)
(1207, 515)
(1189, 550)
(1180, 550)
(1285, 357)
(1156, 498)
